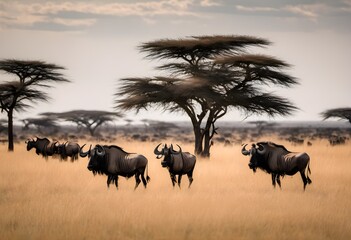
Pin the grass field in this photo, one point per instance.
(49, 199)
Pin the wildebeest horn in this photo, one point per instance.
(260, 149)
(244, 151)
(84, 154)
(180, 149)
(98, 152)
(29, 140)
(156, 151)
(173, 151)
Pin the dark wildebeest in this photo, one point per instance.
(69, 149)
(39, 144)
(177, 163)
(278, 161)
(114, 161)
(51, 149)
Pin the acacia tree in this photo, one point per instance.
(341, 113)
(33, 76)
(41, 123)
(89, 119)
(207, 76)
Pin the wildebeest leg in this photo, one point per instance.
(143, 178)
(173, 178)
(116, 181)
(273, 179)
(304, 179)
(137, 180)
(74, 157)
(109, 179)
(309, 181)
(190, 176)
(179, 179)
(278, 180)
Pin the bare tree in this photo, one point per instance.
(33, 76)
(208, 75)
(341, 113)
(89, 119)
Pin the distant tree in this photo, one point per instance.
(160, 127)
(341, 113)
(89, 119)
(2, 125)
(41, 123)
(208, 75)
(33, 76)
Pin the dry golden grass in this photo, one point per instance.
(50, 199)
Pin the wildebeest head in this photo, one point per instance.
(256, 153)
(97, 159)
(167, 153)
(55, 147)
(30, 144)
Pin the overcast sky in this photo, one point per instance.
(96, 41)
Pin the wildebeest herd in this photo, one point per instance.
(45, 147)
(113, 161)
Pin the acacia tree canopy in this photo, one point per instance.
(89, 119)
(341, 113)
(32, 78)
(207, 76)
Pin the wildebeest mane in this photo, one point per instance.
(114, 146)
(38, 138)
(274, 144)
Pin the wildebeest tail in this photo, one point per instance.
(147, 173)
(309, 181)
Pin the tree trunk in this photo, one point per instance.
(208, 136)
(202, 142)
(207, 144)
(92, 131)
(198, 139)
(10, 130)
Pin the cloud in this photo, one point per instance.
(256, 9)
(74, 22)
(210, 3)
(309, 11)
(75, 15)
(347, 6)
(14, 14)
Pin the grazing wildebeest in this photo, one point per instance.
(177, 162)
(114, 161)
(39, 144)
(51, 149)
(278, 161)
(69, 149)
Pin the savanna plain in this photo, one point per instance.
(53, 199)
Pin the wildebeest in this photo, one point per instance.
(114, 161)
(278, 161)
(68, 149)
(177, 163)
(51, 148)
(39, 144)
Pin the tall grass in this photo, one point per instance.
(49, 199)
